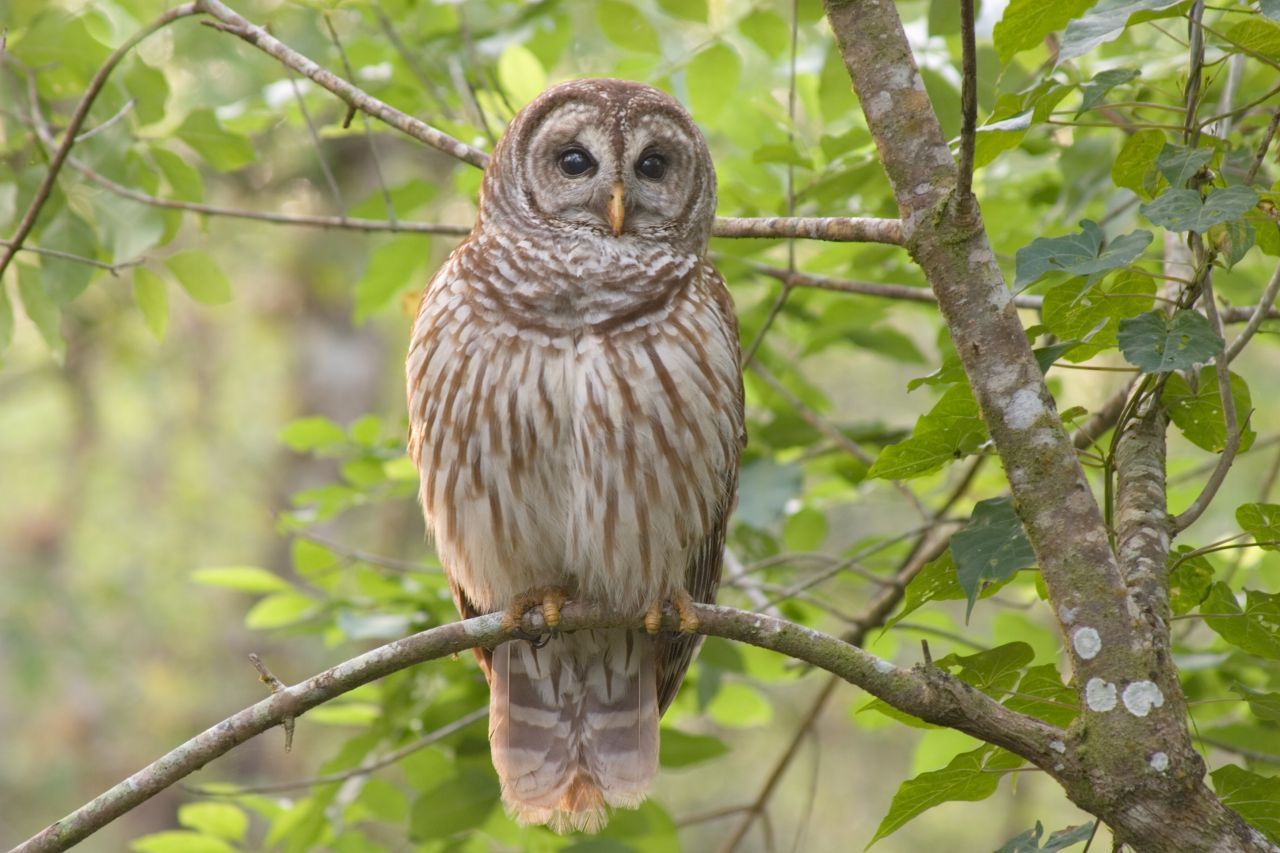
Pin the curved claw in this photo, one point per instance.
(682, 603)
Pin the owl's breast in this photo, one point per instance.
(595, 456)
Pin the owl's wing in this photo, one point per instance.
(420, 344)
(702, 575)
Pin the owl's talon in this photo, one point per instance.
(548, 599)
(682, 603)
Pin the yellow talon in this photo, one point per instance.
(682, 603)
(549, 599)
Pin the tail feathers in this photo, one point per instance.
(574, 727)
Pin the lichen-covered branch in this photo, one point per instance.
(925, 692)
(1129, 766)
(839, 229)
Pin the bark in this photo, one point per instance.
(1128, 757)
(923, 691)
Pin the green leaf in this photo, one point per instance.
(1025, 23)
(937, 581)
(39, 308)
(804, 530)
(149, 89)
(521, 74)
(221, 149)
(1198, 413)
(1255, 628)
(1256, 798)
(384, 800)
(184, 179)
(223, 820)
(152, 300)
(345, 713)
(200, 277)
(180, 841)
(764, 490)
(623, 25)
(1097, 312)
(1095, 91)
(275, 611)
(243, 578)
(393, 266)
(1184, 210)
(311, 433)
(64, 280)
(1180, 164)
(769, 31)
(1077, 254)
(991, 547)
(1265, 706)
(1135, 165)
(971, 776)
(950, 430)
(712, 80)
(1029, 841)
(993, 671)
(997, 137)
(738, 705)
(689, 10)
(1189, 580)
(1042, 694)
(679, 749)
(455, 805)
(1262, 522)
(1159, 344)
(6, 319)
(1232, 240)
(1257, 35)
(1103, 23)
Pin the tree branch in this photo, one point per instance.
(233, 23)
(838, 229)
(1256, 315)
(968, 103)
(871, 288)
(926, 692)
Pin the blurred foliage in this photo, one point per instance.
(182, 378)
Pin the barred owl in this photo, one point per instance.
(576, 414)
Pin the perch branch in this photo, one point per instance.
(928, 693)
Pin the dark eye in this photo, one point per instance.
(651, 166)
(575, 162)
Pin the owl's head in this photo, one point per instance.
(610, 158)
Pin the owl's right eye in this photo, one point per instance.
(575, 162)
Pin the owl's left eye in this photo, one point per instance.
(575, 162)
(652, 166)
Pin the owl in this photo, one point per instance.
(576, 415)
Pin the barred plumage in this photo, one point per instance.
(575, 409)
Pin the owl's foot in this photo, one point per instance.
(548, 599)
(682, 603)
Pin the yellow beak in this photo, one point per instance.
(616, 208)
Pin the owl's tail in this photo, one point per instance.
(573, 726)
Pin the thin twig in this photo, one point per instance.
(904, 292)
(968, 106)
(268, 678)
(114, 269)
(315, 140)
(121, 113)
(757, 806)
(362, 770)
(1232, 443)
(364, 120)
(1269, 135)
(1259, 314)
